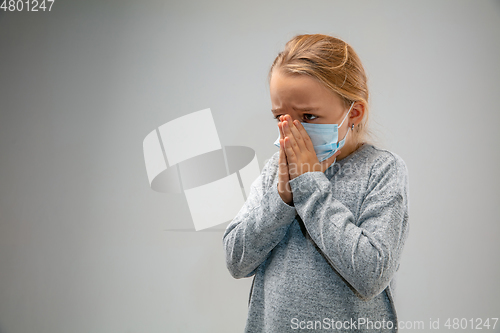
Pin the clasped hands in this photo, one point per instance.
(297, 156)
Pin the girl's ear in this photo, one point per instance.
(357, 112)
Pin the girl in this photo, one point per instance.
(323, 228)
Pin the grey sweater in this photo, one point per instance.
(327, 263)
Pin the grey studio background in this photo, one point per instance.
(83, 240)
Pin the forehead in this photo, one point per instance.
(298, 90)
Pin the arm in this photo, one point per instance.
(259, 225)
(366, 256)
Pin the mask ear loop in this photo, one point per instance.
(351, 128)
(335, 160)
(346, 114)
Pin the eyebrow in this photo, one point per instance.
(301, 109)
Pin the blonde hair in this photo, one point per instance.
(332, 62)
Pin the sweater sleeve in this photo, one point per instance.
(259, 225)
(366, 252)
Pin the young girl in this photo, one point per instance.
(324, 225)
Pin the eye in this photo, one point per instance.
(308, 116)
(277, 118)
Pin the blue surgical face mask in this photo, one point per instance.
(324, 138)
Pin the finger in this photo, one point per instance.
(288, 134)
(305, 137)
(281, 162)
(284, 177)
(282, 158)
(283, 168)
(297, 134)
(291, 158)
(280, 126)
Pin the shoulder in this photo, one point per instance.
(383, 158)
(378, 160)
(383, 168)
(373, 159)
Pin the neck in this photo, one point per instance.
(349, 147)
